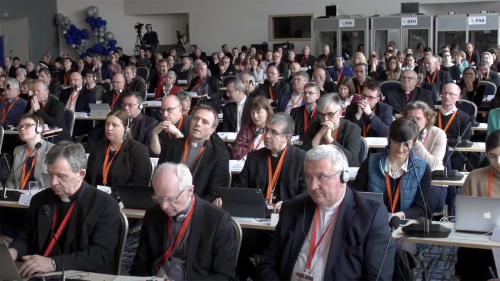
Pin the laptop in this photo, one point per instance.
(99, 110)
(243, 202)
(377, 197)
(9, 269)
(477, 214)
(136, 197)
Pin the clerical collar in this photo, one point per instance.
(72, 197)
(334, 207)
(279, 153)
(194, 144)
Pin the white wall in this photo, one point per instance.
(121, 25)
(16, 33)
(460, 8)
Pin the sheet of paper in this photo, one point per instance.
(81, 114)
(98, 101)
(193, 94)
(153, 102)
(25, 199)
(154, 161)
(227, 135)
(46, 127)
(481, 144)
(376, 141)
(353, 172)
(104, 188)
(496, 256)
(295, 138)
(274, 219)
(182, 82)
(236, 165)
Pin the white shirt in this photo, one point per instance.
(449, 112)
(321, 256)
(165, 90)
(295, 99)
(74, 94)
(396, 174)
(239, 112)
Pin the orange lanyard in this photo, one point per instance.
(449, 122)
(107, 163)
(61, 228)
(306, 118)
(426, 138)
(367, 128)
(490, 183)
(181, 122)
(252, 145)
(186, 154)
(273, 176)
(433, 78)
(393, 202)
(117, 96)
(294, 104)
(25, 176)
(4, 114)
(326, 58)
(359, 90)
(73, 99)
(271, 92)
(66, 77)
(471, 55)
(304, 60)
(339, 75)
(182, 232)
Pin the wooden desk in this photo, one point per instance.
(90, 118)
(11, 204)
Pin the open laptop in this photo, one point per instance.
(9, 269)
(136, 197)
(99, 110)
(477, 214)
(243, 202)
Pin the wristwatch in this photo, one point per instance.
(371, 115)
(54, 264)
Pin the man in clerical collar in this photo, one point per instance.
(87, 219)
(342, 216)
(361, 79)
(141, 126)
(236, 113)
(306, 113)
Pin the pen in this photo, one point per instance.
(492, 273)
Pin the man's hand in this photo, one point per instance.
(365, 107)
(36, 264)
(218, 202)
(398, 115)
(359, 113)
(277, 207)
(13, 254)
(328, 128)
(35, 106)
(468, 84)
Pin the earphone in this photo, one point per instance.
(344, 176)
(38, 129)
(140, 106)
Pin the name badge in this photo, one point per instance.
(104, 188)
(304, 276)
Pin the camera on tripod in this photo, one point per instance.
(287, 46)
(138, 27)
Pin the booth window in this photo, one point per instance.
(290, 27)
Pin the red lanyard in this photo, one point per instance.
(61, 228)
(117, 96)
(107, 163)
(135, 120)
(449, 122)
(273, 176)
(4, 114)
(186, 153)
(45, 105)
(25, 175)
(200, 81)
(433, 78)
(304, 60)
(490, 183)
(294, 104)
(367, 128)
(174, 244)
(326, 58)
(307, 120)
(271, 92)
(181, 122)
(471, 55)
(73, 99)
(393, 202)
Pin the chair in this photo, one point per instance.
(491, 88)
(466, 106)
(239, 234)
(228, 79)
(123, 229)
(105, 85)
(387, 86)
(363, 150)
(2, 133)
(69, 116)
(239, 73)
(143, 72)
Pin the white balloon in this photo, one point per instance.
(100, 40)
(96, 34)
(101, 34)
(64, 32)
(101, 29)
(83, 41)
(73, 46)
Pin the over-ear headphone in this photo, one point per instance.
(251, 82)
(344, 176)
(140, 106)
(127, 129)
(38, 129)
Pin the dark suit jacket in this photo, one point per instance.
(443, 78)
(214, 96)
(308, 63)
(142, 131)
(298, 116)
(82, 102)
(454, 71)
(329, 87)
(110, 96)
(432, 88)
(279, 89)
(358, 89)
(330, 61)
(130, 167)
(55, 87)
(14, 115)
(349, 140)
(138, 85)
(92, 233)
(282, 68)
(209, 172)
(211, 246)
(257, 92)
(357, 247)
(291, 182)
(396, 98)
(83, 72)
(62, 73)
(107, 72)
(230, 113)
(53, 116)
(380, 123)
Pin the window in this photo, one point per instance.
(290, 27)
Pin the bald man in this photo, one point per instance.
(294, 67)
(115, 97)
(306, 59)
(77, 98)
(435, 76)
(319, 76)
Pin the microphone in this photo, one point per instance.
(46, 212)
(393, 224)
(38, 145)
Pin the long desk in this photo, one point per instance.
(382, 142)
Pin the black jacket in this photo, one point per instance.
(279, 89)
(230, 113)
(291, 180)
(307, 63)
(55, 87)
(53, 115)
(298, 116)
(142, 129)
(138, 85)
(329, 87)
(442, 78)
(283, 69)
(396, 98)
(211, 246)
(83, 100)
(358, 89)
(380, 123)
(454, 71)
(130, 167)
(257, 92)
(109, 98)
(330, 61)
(357, 246)
(65, 75)
(209, 172)
(349, 140)
(214, 96)
(92, 233)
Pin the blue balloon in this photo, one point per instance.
(67, 36)
(70, 41)
(73, 26)
(112, 43)
(99, 19)
(88, 19)
(104, 22)
(92, 24)
(83, 56)
(98, 48)
(89, 51)
(114, 49)
(106, 52)
(85, 34)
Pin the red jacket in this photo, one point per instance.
(173, 91)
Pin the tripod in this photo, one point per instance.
(138, 44)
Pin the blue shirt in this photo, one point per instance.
(12, 116)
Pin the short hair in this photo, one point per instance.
(362, 64)
(249, 76)
(320, 63)
(73, 152)
(326, 100)
(12, 83)
(28, 82)
(238, 85)
(347, 82)
(33, 116)
(483, 63)
(182, 172)
(183, 95)
(91, 73)
(492, 140)
(259, 103)
(139, 97)
(225, 58)
(190, 59)
(285, 120)
(427, 49)
(462, 54)
(44, 70)
(164, 60)
(22, 70)
(172, 73)
(45, 84)
(374, 86)
(303, 74)
(403, 127)
(16, 58)
(410, 56)
(313, 85)
(272, 66)
(426, 109)
(131, 67)
(208, 108)
(330, 152)
(202, 64)
(79, 59)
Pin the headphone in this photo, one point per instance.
(344, 176)
(127, 129)
(38, 129)
(251, 82)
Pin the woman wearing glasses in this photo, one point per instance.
(118, 159)
(471, 86)
(393, 70)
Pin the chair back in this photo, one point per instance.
(2, 133)
(69, 116)
(239, 234)
(468, 107)
(105, 85)
(491, 88)
(387, 86)
(363, 150)
(123, 230)
(239, 73)
(143, 72)
(228, 79)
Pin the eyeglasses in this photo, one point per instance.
(321, 179)
(169, 110)
(129, 104)
(160, 200)
(408, 78)
(370, 98)
(298, 80)
(328, 115)
(25, 126)
(272, 132)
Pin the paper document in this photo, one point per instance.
(236, 165)
(376, 141)
(154, 161)
(295, 138)
(227, 135)
(153, 103)
(81, 114)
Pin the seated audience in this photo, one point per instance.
(54, 86)
(207, 87)
(66, 72)
(240, 63)
(186, 71)
(207, 161)
(21, 74)
(26, 89)
(11, 105)
(185, 99)
(92, 218)
(372, 116)
(305, 114)
(346, 91)
(251, 136)
(325, 86)
(211, 235)
(225, 69)
(319, 63)
(2, 83)
(76, 98)
(294, 99)
(398, 98)
(294, 68)
(431, 143)
(375, 67)
(267, 60)
(460, 60)
(454, 70)
(115, 65)
(411, 63)
(103, 71)
(339, 70)
(361, 79)
(141, 126)
(132, 166)
(251, 88)
(473, 56)
(255, 70)
(356, 222)
(115, 97)
(273, 86)
(472, 88)
(486, 74)
(236, 112)
(332, 129)
(143, 60)
(306, 59)
(327, 56)
(435, 76)
(97, 90)
(282, 66)
(133, 82)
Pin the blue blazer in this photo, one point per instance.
(346, 71)
(283, 102)
(15, 113)
(357, 246)
(380, 123)
(107, 72)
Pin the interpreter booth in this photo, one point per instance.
(407, 31)
(478, 29)
(345, 36)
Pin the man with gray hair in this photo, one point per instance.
(295, 98)
(199, 227)
(332, 129)
(346, 220)
(21, 74)
(88, 220)
(225, 68)
(434, 75)
(251, 89)
(12, 106)
(237, 112)
(133, 82)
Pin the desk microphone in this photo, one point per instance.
(393, 224)
(37, 146)
(46, 212)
